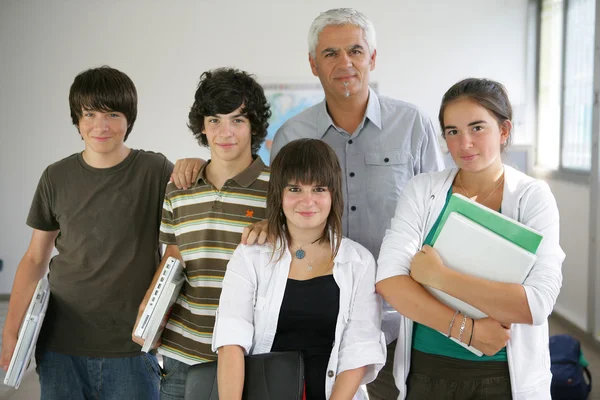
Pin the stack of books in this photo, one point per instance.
(164, 294)
(481, 242)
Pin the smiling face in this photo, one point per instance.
(306, 206)
(342, 55)
(474, 136)
(229, 136)
(103, 132)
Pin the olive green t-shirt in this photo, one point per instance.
(108, 249)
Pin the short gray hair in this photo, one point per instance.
(340, 16)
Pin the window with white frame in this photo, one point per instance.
(565, 84)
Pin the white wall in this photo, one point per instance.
(423, 48)
(573, 201)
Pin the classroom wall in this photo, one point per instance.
(573, 200)
(423, 48)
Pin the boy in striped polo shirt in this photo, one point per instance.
(202, 225)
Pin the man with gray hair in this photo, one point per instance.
(381, 142)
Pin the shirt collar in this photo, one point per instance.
(374, 109)
(244, 178)
(373, 113)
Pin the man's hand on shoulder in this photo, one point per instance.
(256, 233)
(186, 172)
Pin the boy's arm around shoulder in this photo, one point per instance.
(32, 268)
(186, 172)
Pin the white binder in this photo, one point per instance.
(467, 247)
(162, 310)
(172, 269)
(28, 334)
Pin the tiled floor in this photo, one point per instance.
(30, 389)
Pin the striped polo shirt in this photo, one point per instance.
(206, 224)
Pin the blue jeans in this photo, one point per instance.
(64, 376)
(172, 383)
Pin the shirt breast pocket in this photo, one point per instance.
(388, 172)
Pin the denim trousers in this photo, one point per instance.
(172, 383)
(70, 377)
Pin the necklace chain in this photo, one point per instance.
(310, 268)
(488, 196)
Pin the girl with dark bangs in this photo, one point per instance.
(310, 290)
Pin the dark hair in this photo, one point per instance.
(224, 90)
(308, 161)
(487, 93)
(103, 89)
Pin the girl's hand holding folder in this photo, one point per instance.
(427, 267)
(489, 336)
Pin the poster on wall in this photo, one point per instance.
(288, 100)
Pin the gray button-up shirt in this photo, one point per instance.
(394, 142)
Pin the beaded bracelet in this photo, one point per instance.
(452, 323)
(462, 328)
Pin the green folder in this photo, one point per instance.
(511, 230)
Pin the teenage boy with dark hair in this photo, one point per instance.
(101, 209)
(202, 225)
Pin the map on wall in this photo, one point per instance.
(287, 100)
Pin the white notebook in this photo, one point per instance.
(171, 269)
(28, 334)
(468, 247)
(162, 310)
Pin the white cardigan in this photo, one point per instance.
(526, 200)
(253, 290)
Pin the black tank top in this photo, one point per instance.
(307, 320)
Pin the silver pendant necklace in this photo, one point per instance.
(300, 253)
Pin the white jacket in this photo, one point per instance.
(526, 200)
(253, 290)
